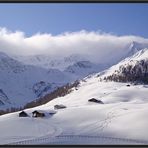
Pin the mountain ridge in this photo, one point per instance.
(29, 77)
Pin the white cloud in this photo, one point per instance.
(95, 45)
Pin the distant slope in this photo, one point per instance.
(132, 69)
(83, 68)
(23, 83)
(62, 63)
(49, 62)
(27, 78)
(20, 83)
(120, 119)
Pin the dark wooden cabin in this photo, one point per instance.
(23, 114)
(61, 106)
(38, 114)
(95, 101)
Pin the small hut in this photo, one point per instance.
(60, 106)
(23, 114)
(95, 101)
(38, 114)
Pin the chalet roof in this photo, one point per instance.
(44, 111)
(39, 111)
(22, 112)
(60, 105)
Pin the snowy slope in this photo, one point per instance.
(133, 68)
(75, 65)
(84, 122)
(47, 61)
(83, 68)
(122, 119)
(19, 82)
(3, 98)
(61, 63)
(135, 47)
(40, 74)
(30, 71)
(23, 83)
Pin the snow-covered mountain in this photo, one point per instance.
(83, 121)
(84, 68)
(22, 83)
(25, 78)
(131, 69)
(19, 83)
(48, 62)
(3, 98)
(135, 47)
(61, 63)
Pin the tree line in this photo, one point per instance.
(59, 92)
(137, 72)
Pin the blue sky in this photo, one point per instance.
(120, 19)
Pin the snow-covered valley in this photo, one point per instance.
(122, 119)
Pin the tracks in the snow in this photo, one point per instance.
(99, 125)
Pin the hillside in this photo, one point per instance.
(21, 83)
(93, 110)
(83, 122)
(132, 69)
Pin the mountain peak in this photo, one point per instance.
(134, 47)
(141, 55)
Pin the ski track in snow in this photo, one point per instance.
(102, 124)
(59, 137)
(48, 135)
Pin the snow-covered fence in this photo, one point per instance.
(79, 139)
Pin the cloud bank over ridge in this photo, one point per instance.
(95, 45)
